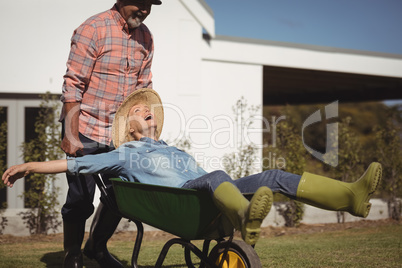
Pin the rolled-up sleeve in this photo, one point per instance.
(71, 169)
(110, 163)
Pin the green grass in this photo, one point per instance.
(378, 246)
(366, 247)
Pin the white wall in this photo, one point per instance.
(223, 86)
(35, 40)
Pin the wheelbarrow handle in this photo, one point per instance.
(106, 197)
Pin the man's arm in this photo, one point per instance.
(81, 60)
(71, 143)
(19, 171)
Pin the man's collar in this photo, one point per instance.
(119, 18)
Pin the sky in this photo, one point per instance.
(368, 25)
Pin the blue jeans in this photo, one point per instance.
(277, 180)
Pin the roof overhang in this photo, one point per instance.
(200, 10)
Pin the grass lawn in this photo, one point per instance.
(366, 244)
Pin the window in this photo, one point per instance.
(20, 111)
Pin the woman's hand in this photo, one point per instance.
(14, 173)
(19, 171)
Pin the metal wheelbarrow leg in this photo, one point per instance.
(189, 247)
(138, 242)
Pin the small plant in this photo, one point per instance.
(290, 147)
(3, 224)
(350, 165)
(41, 197)
(240, 163)
(3, 167)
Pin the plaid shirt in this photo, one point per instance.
(107, 62)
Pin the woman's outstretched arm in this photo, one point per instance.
(19, 171)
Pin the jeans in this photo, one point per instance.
(81, 189)
(277, 180)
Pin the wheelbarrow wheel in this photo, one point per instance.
(238, 255)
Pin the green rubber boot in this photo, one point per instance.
(336, 195)
(260, 205)
(245, 215)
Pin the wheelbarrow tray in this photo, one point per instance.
(187, 213)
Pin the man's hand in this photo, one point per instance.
(71, 143)
(72, 148)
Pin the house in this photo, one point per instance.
(198, 74)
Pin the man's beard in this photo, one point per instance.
(135, 20)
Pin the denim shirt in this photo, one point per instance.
(146, 161)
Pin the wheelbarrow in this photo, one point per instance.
(186, 213)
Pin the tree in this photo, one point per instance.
(365, 116)
(41, 197)
(389, 154)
